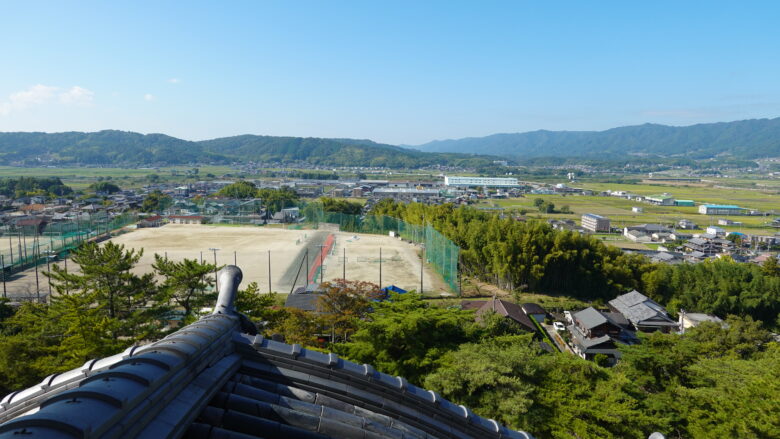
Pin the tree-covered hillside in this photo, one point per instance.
(745, 139)
(127, 148)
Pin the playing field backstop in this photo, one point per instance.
(441, 253)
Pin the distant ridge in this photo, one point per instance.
(111, 147)
(742, 139)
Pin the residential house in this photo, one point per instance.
(686, 224)
(692, 319)
(506, 309)
(594, 332)
(643, 313)
(535, 311)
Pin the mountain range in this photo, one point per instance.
(746, 139)
(119, 148)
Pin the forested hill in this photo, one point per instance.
(127, 148)
(742, 139)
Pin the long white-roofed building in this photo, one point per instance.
(480, 181)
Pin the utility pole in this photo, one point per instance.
(422, 265)
(216, 278)
(307, 266)
(269, 271)
(66, 272)
(2, 263)
(322, 266)
(48, 268)
(37, 282)
(11, 246)
(235, 258)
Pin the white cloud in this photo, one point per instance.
(174, 80)
(148, 97)
(40, 94)
(77, 95)
(35, 95)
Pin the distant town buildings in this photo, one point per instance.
(595, 223)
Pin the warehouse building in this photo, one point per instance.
(721, 209)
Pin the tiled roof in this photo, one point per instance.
(508, 309)
(214, 379)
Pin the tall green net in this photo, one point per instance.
(25, 246)
(440, 252)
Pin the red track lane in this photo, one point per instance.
(318, 258)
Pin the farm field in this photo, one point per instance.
(620, 213)
(80, 178)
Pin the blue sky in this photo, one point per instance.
(395, 72)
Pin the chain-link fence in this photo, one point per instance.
(24, 246)
(441, 253)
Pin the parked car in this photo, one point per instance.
(559, 326)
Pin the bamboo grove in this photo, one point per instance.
(530, 256)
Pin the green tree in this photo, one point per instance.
(156, 202)
(278, 199)
(770, 267)
(104, 186)
(264, 309)
(494, 378)
(105, 274)
(184, 283)
(341, 206)
(344, 303)
(406, 336)
(240, 189)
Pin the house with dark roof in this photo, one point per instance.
(595, 332)
(217, 378)
(507, 309)
(643, 313)
(535, 311)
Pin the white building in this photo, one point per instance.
(595, 223)
(480, 181)
(721, 209)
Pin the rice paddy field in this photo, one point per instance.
(620, 212)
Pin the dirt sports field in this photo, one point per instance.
(288, 248)
(251, 244)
